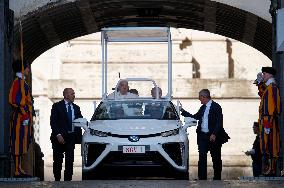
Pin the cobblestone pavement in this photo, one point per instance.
(145, 183)
(140, 183)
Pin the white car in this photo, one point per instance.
(140, 134)
(134, 134)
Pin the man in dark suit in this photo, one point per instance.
(255, 152)
(210, 134)
(64, 136)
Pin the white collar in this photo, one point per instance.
(120, 94)
(20, 75)
(209, 103)
(66, 102)
(269, 81)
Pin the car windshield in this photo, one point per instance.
(135, 109)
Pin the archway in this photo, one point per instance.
(50, 25)
(58, 22)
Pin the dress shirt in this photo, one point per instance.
(204, 124)
(72, 109)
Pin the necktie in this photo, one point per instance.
(69, 117)
(203, 108)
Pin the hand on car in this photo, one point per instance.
(180, 105)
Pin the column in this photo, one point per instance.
(6, 42)
(278, 64)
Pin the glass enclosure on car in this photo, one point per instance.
(135, 109)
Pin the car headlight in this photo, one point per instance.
(98, 133)
(170, 133)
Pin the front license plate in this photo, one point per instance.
(133, 149)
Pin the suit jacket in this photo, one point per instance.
(59, 120)
(215, 121)
(257, 156)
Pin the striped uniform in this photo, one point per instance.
(269, 110)
(20, 135)
(261, 88)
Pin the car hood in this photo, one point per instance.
(137, 127)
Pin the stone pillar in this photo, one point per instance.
(278, 64)
(280, 60)
(6, 41)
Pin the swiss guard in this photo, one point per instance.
(269, 111)
(20, 99)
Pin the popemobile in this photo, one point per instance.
(138, 134)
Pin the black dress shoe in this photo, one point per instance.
(23, 176)
(217, 178)
(16, 176)
(270, 175)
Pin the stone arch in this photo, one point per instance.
(58, 22)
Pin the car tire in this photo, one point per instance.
(181, 175)
(86, 176)
(98, 174)
(92, 176)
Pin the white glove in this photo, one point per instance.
(250, 152)
(259, 77)
(267, 130)
(26, 122)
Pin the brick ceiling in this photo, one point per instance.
(57, 23)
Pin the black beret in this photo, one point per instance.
(269, 70)
(17, 66)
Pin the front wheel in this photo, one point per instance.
(181, 175)
(92, 175)
(86, 176)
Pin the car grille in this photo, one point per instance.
(94, 151)
(174, 150)
(149, 158)
(141, 136)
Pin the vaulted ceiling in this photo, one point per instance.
(57, 23)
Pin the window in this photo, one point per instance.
(135, 109)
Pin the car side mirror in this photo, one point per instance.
(189, 122)
(81, 122)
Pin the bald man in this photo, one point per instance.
(154, 92)
(64, 136)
